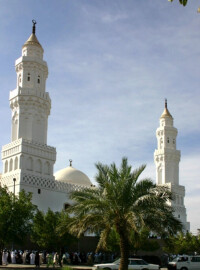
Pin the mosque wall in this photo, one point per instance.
(47, 198)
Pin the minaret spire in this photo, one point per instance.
(32, 40)
(166, 113)
(33, 28)
(165, 103)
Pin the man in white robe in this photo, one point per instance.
(32, 258)
(13, 259)
(24, 257)
(5, 258)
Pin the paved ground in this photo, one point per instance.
(44, 266)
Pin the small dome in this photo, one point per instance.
(32, 40)
(72, 176)
(166, 112)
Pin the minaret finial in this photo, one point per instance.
(33, 29)
(166, 103)
(70, 162)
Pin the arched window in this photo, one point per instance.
(29, 77)
(11, 165)
(29, 164)
(38, 80)
(38, 166)
(6, 167)
(173, 141)
(167, 139)
(47, 168)
(16, 163)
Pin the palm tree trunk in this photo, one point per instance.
(124, 250)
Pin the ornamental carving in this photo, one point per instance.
(49, 183)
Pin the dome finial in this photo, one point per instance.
(70, 162)
(33, 29)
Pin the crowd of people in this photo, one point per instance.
(54, 258)
(22, 257)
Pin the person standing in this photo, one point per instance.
(55, 259)
(37, 259)
(13, 258)
(24, 257)
(32, 258)
(4, 257)
(49, 259)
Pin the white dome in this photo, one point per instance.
(72, 176)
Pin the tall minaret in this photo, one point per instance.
(30, 103)
(167, 160)
(28, 159)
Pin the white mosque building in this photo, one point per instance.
(28, 161)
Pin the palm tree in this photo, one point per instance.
(122, 202)
(182, 2)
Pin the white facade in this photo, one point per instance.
(167, 159)
(28, 159)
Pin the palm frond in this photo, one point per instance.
(103, 238)
(137, 172)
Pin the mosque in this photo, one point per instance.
(28, 161)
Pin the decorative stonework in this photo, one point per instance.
(11, 149)
(8, 179)
(180, 209)
(38, 182)
(39, 66)
(48, 183)
(25, 94)
(28, 147)
(168, 157)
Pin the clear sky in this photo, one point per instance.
(111, 65)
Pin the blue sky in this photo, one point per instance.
(111, 65)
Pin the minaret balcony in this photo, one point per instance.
(29, 92)
(30, 58)
(26, 147)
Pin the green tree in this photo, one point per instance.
(47, 230)
(16, 214)
(138, 241)
(182, 244)
(123, 203)
(141, 241)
